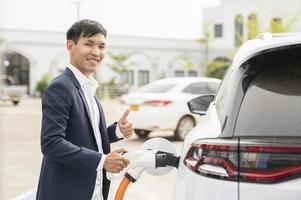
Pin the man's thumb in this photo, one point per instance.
(125, 115)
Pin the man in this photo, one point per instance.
(75, 141)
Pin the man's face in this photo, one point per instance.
(88, 53)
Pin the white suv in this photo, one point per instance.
(249, 144)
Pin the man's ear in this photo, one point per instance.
(70, 45)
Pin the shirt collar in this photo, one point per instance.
(81, 78)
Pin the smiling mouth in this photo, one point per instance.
(94, 60)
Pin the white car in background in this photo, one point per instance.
(248, 146)
(162, 104)
(10, 91)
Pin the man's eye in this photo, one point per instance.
(101, 47)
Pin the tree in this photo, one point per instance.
(186, 62)
(43, 84)
(217, 67)
(120, 63)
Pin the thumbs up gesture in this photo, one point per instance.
(125, 126)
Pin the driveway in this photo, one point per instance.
(20, 155)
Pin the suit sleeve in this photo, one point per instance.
(56, 107)
(112, 133)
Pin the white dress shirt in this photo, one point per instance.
(89, 86)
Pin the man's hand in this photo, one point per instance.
(114, 162)
(125, 126)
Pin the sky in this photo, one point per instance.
(180, 19)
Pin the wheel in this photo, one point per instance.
(185, 125)
(142, 133)
(16, 102)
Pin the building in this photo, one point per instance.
(28, 55)
(233, 22)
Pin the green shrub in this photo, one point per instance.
(43, 84)
(216, 68)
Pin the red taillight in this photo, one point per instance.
(157, 102)
(265, 163)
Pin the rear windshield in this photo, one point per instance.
(201, 88)
(272, 103)
(156, 88)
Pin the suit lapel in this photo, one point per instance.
(82, 95)
(102, 126)
(102, 123)
(70, 74)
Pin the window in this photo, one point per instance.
(179, 73)
(143, 77)
(201, 88)
(17, 68)
(218, 30)
(272, 103)
(276, 25)
(239, 31)
(213, 87)
(252, 26)
(222, 97)
(128, 77)
(192, 73)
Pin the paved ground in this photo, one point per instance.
(20, 157)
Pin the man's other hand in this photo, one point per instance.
(126, 127)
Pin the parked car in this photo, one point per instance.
(248, 146)
(11, 92)
(162, 105)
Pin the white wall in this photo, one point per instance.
(265, 10)
(47, 53)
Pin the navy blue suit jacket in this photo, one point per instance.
(68, 144)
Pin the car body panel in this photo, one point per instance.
(189, 184)
(285, 190)
(188, 181)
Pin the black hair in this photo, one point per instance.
(85, 28)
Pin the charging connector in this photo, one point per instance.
(164, 159)
(158, 157)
